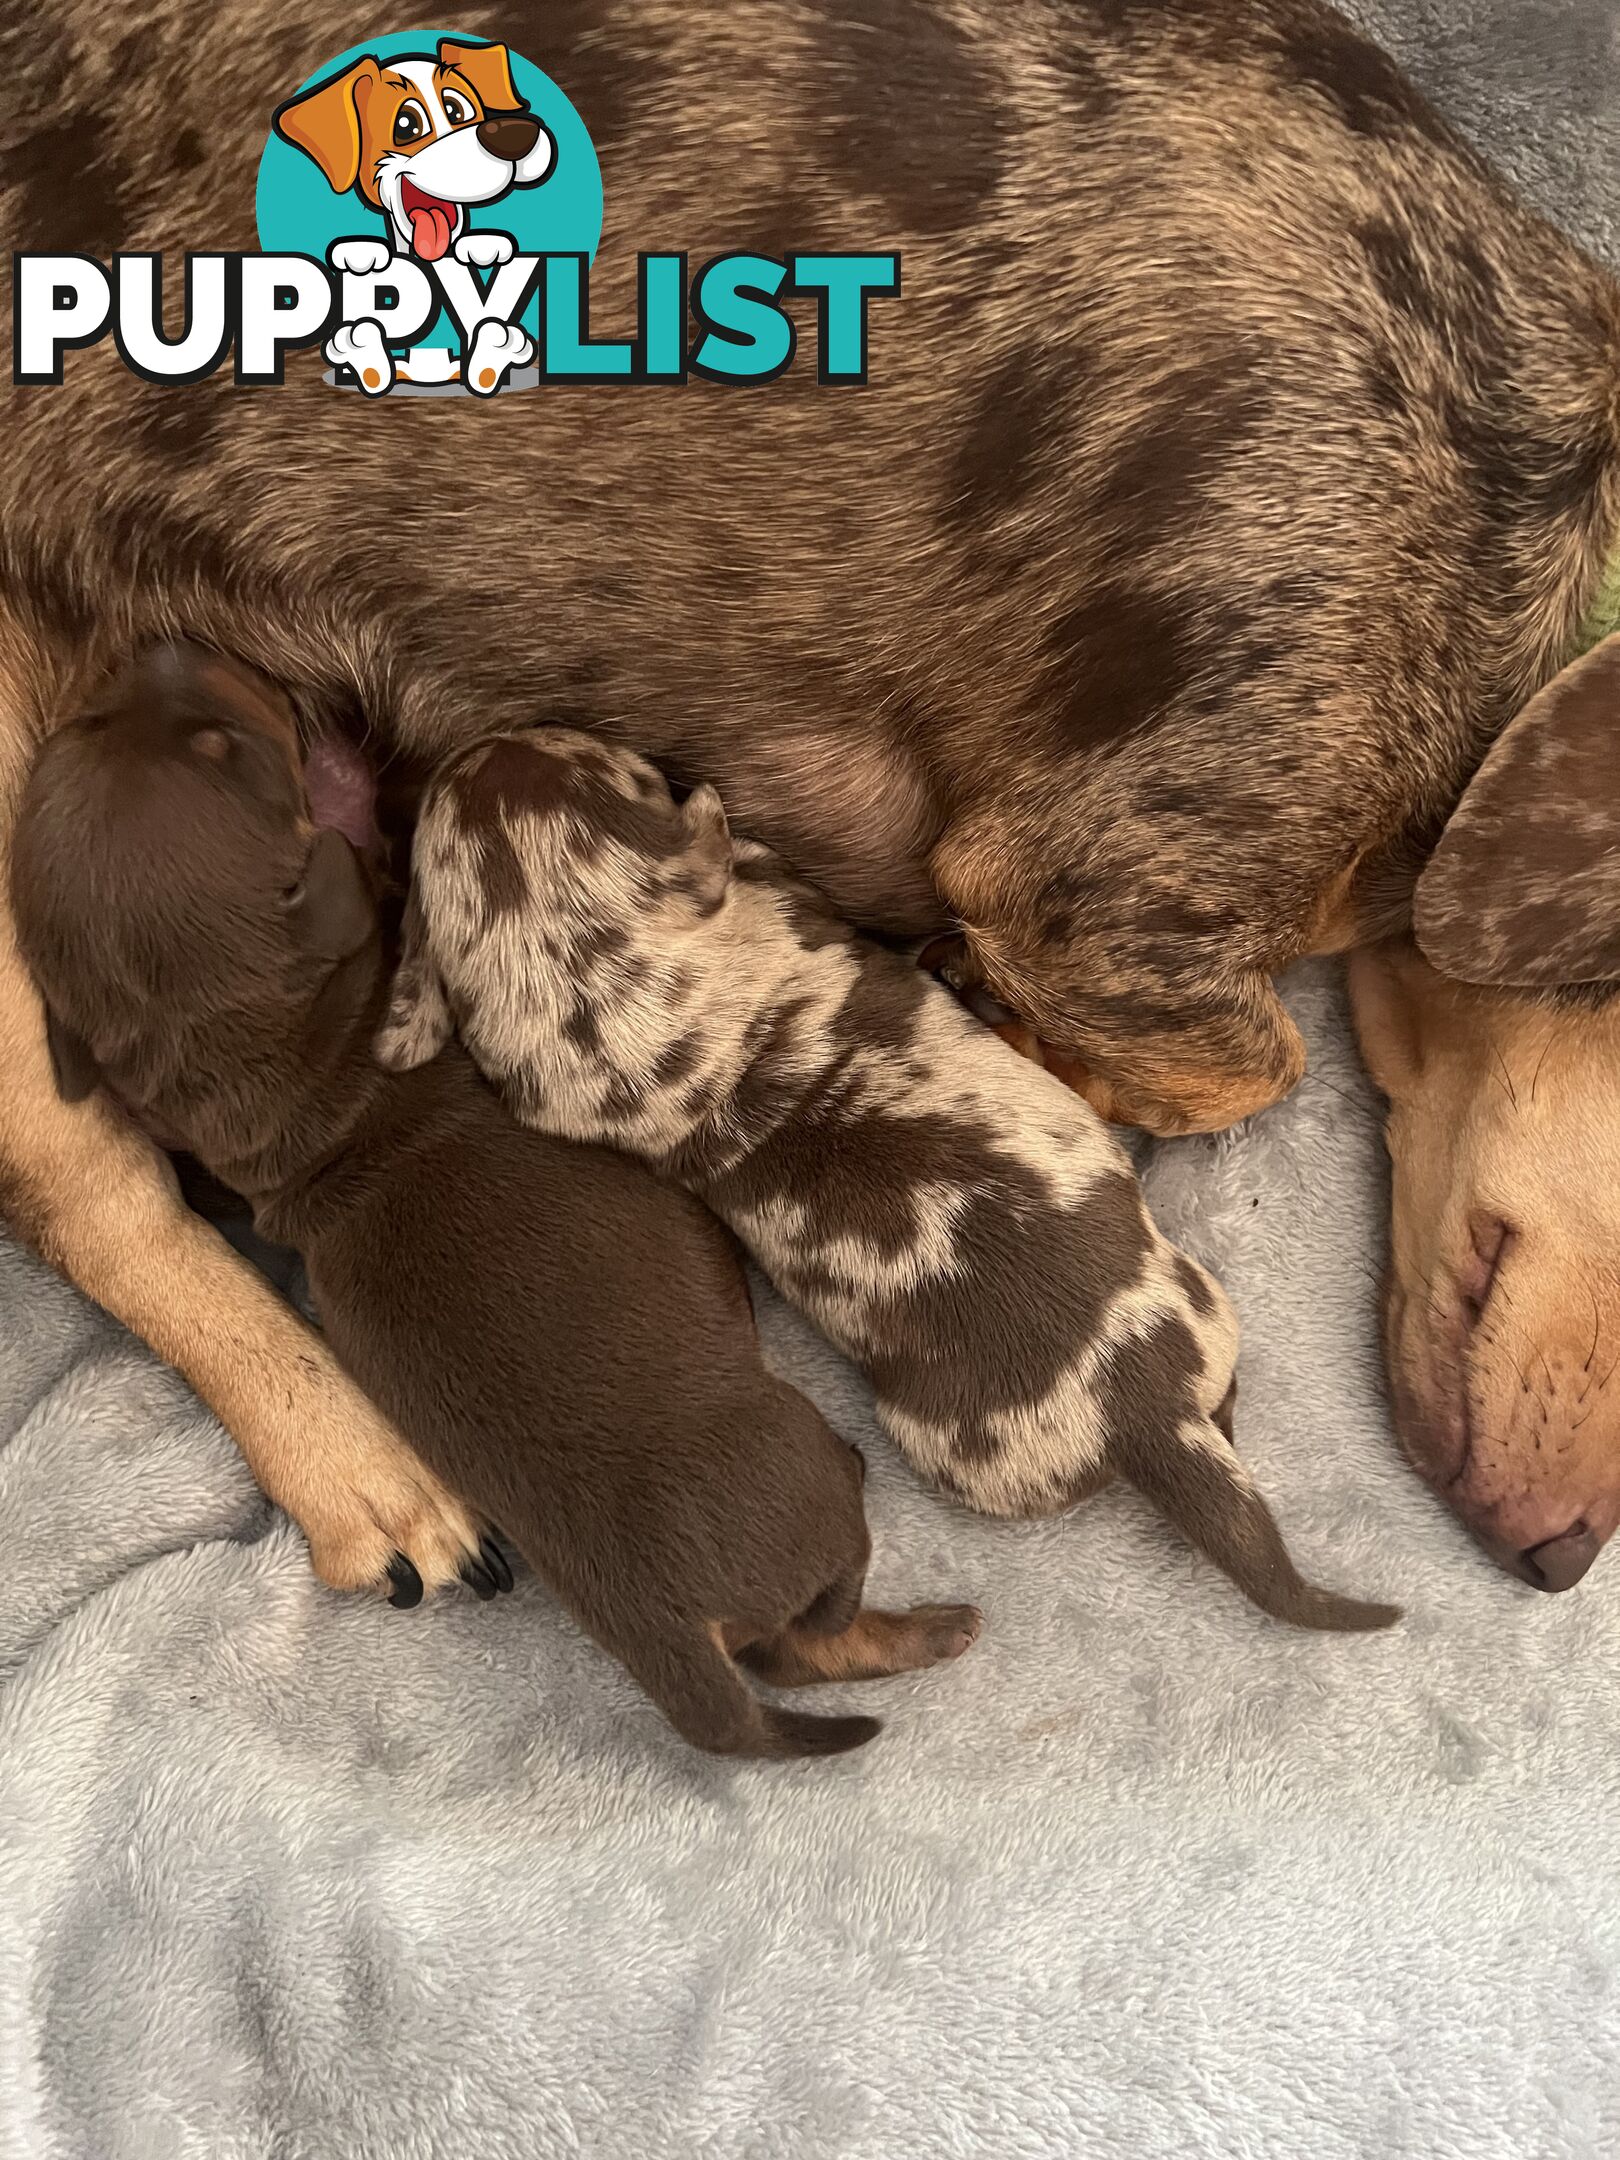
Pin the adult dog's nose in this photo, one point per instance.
(1560, 1563)
(509, 135)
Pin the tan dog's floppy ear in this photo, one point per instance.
(1524, 887)
(325, 122)
(332, 907)
(418, 1024)
(488, 68)
(77, 1073)
(706, 853)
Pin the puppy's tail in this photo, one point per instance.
(706, 1699)
(1200, 1485)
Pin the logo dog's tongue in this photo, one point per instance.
(432, 222)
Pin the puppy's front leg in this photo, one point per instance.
(102, 1206)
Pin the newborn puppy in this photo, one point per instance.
(955, 1219)
(568, 1341)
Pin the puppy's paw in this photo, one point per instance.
(496, 347)
(939, 1633)
(360, 346)
(484, 250)
(375, 1515)
(359, 258)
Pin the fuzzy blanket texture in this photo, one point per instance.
(290, 1877)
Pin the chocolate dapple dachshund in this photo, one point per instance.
(1240, 467)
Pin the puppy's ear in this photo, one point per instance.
(706, 847)
(325, 122)
(332, 908)
(1524, 887)
(419, 1023)
(77, 1073)
(488, 68)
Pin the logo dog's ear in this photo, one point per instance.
(419, 1023)
(488, 68)
(76, 1071)
(1524, 887)
(325, 122)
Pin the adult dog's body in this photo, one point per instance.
(1238, 462)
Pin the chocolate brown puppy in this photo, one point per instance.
(955, 1219)
(566, 1341)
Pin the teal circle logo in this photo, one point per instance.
(421, 141)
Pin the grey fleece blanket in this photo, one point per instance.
(287, 1875)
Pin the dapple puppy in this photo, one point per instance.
(952, 1217)
(568, 1342)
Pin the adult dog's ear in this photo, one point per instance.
(706, 851)
(77, 1073)
(1524, 887)
(419, 1023)
(325, 122)
(331, 906)
(488, 68)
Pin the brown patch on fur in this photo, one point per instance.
(906, 105)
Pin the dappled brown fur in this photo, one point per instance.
(565, 1340)
(1236, 463)
(1074, 625)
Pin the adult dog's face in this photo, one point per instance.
(1502, 1311)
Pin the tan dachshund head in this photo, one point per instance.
(1503, 1076)
(422, 138)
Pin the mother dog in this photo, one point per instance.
(1239, 467)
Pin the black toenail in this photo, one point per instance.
(478, 1582)
(497, 1563)
(407, 1590)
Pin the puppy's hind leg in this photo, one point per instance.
(693, 1680)
(1193, 1476)
(871, 1647)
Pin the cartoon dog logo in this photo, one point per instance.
(421, 139)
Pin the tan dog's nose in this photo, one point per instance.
(509, 135)
(1560, 1563)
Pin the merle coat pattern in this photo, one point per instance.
(953, 1217)
(566, 1341)
(1236, 464)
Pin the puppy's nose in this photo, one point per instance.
(509, 135)
(1560, 1563)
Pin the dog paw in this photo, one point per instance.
(484, 250)
(940, 1633)
(360, 346)
(359, 258)
(375, 1515)
(495, 348)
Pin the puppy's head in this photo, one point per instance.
(177, 905)
(551, 868)
(422, 136)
